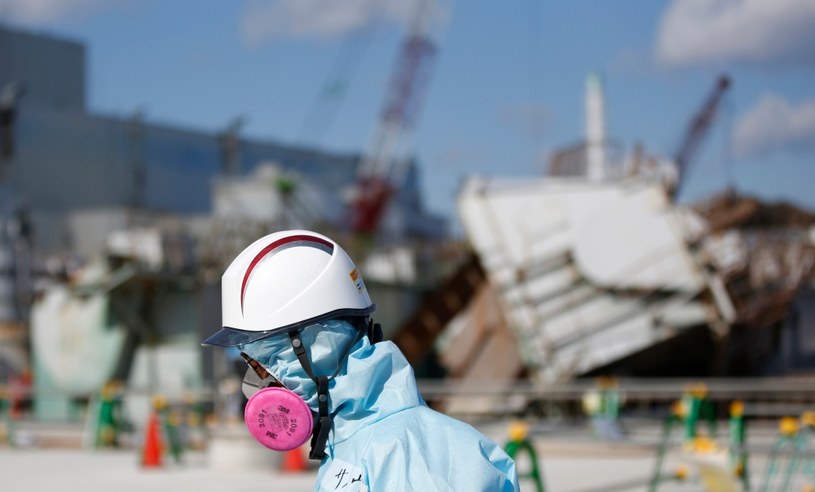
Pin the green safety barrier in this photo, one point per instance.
(674, 419)
(693, 407)
(795, 439)
(518, 442)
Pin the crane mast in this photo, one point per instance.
(381, 169)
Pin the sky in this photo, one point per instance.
(506, 87)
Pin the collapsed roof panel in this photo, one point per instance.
(590, 272)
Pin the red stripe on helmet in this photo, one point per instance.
(275, 245)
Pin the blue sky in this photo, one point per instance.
(507, 85)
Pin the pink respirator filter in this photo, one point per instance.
(278, 419)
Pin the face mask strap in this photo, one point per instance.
(374, 331)
(323, 425)
(300, 352)
(320, 435)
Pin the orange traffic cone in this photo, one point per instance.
(293, 461)
(151, 455)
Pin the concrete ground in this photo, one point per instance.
(68, 470)
(51, 470)
(38, 470)
(571, 461)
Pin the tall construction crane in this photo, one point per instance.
(383, 166)
(696, 132)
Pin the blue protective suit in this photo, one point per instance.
(384, 437)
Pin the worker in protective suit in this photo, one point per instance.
(297, 309)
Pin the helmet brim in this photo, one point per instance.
(230, 337)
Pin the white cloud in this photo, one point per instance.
(262, 19)
(762, 31)
(38, 12)
(301, 18)
(775, 124)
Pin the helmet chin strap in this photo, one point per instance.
(319, 437)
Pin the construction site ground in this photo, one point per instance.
(570, 459)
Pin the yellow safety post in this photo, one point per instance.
(697, 406)
(738, 439)
(518, 441)
(171, 420)
(109, 416)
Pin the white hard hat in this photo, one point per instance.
(284, 281)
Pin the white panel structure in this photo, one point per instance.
(589, 272)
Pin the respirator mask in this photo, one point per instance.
(276, 413)
(275, 416)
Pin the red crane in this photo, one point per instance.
(696, 132)
(382, 167)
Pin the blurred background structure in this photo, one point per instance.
(543, 280)
(117, 230)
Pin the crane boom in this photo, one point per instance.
(379, 168)
(697, 130)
